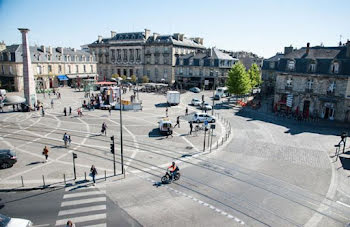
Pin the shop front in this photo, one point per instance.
(62, 80)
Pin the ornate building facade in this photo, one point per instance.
(314, 82)
(51, 66)
(140, 53)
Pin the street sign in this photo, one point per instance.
(212, 126)
(205, 123)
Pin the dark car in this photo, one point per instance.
(7, 158)
(195, 89)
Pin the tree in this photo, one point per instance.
(238, 81)
(145, 79)
(123, 77)
(133, 78)
(115, 75)
(254, 75)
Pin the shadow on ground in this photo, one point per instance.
(155, 133)
(345, 162)
(161, 105)
(293, 126)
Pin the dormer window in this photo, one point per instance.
(335, 67)
(181, 61)
(309, 84)
(289, 82)
(191, 61)
(272, 65)
(312, 67)
(201, 62)
(331, 87)
(291, 65)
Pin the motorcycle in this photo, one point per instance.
(168, 177)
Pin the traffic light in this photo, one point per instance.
(75, 155)
(112, 138)
(112, 148)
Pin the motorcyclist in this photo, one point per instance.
(173, 170)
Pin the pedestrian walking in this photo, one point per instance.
(65, 111)
(65, 139)
(186, 110)
(59, 95)
(42, 111)
(46, 153)
(169, 132)
(69, 140)
(166, 112)
(93, 173)
(51, 103)
(70, 224)
(104, 128)
(110, 111)
(177, 122)
(70, 110)
(191, 127)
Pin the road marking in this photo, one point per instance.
(83, 201)
(98, 225)
(82, 219)
(82, 210)
(80, 194)
(344, 204)
(43, 225)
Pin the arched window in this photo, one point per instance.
(335, 67)
(312, 67)
(291, 65)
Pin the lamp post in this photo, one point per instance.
(121, 129)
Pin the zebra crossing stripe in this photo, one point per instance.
(83, 201)
(82, 219)
(82, 210)
(98, 225)
(80, 194)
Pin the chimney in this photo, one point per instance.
(181, 37)
(43, 48)
(155, 35)
(347, 49)
(288, 50)
(113, 33)
(147, 33)
(307, 48)
(60, 49)
(99, 38)
(50, 50)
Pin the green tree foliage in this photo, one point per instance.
(133, 78)
(123, 77)
(145, 79)
(115, 75)
(254, 75)
(238, 81)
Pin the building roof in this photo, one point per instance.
(172, 40)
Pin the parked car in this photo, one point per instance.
(7, 158)
(195, 89)
(196, 102)
(14, 222)
(217, 97)
(206, 106)
(202, 117)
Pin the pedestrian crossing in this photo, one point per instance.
(84, 205)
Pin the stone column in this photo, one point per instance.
(28, 77)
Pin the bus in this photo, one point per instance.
(222, 92)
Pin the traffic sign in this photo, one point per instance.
(205, 123)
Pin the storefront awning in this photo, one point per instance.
(62, 77)
(81, 76)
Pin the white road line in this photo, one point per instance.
(43, 225)
(98, 225)
(82, 210)
(83, 201)
(347, 195)
(82, 219)
(80, 194)
(344, 204)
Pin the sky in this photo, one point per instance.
(263, 27)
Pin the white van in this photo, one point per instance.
(164, 125)
(222, 92)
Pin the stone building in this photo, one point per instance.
(269, 74)
(51, 66)
(314, 82)
(140, 53)
(194, 68)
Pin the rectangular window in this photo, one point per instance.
(38, 69)
(50, 68)
(49, 57)
(77, 68)
(60, 68)
(291, 65)
(84, 68)
(91, 69)
(10, 69)
(69, 69)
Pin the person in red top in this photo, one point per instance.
(173, 170)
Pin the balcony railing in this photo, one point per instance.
(330, 93)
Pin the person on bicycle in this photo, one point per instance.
(173, 170)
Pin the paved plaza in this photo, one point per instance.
(262, 170)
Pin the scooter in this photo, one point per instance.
(167, 178)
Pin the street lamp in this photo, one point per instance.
(121, 128)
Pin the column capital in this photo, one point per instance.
(23, 30)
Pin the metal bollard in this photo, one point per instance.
(64, 179)
(124, 173)
(105, 175)
(22, 181)
(85, 175)
(44, 182)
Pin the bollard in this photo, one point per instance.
(105, 175)
(222, 141)
(124, 173)
(44, 182)
(217, 144)
(85, 175)
(64, 179)
(22, 181)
